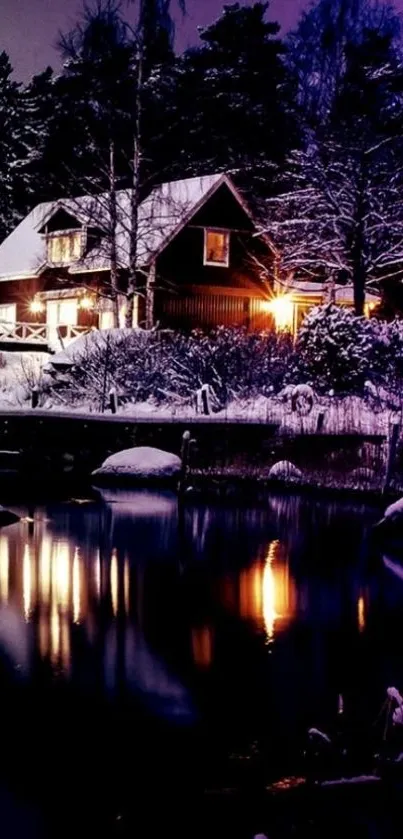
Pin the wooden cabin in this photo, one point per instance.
(201, 263)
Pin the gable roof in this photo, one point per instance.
(162, 215)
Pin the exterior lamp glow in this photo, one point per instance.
(36, 307)
(86, 303)
(282, 309)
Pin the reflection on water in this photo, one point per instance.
(231, 608)
(267, 591)
(361, 613)
(72, 561)
(202, 646)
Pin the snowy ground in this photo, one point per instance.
(20, 372)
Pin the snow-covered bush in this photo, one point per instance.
(131, 361)
(335, 349)
(166, 365)
(393, 341)
(233, 362)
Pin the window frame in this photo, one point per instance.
(63, 234)
(212, 263)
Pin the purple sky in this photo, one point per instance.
(29, 28)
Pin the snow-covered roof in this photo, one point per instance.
(161, 216)
(343, 293)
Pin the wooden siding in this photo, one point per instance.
(181, 264)
(206, 311)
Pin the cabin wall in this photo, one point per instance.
(190, 294)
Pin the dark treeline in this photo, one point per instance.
(310, 125)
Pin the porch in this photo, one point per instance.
(37, 337)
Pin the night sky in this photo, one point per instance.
(29, 28)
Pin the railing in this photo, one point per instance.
(39, 333)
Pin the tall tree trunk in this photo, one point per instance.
(113, 223)
(330, 290)
(359, 289)
(135, 191)
(358, 247)
(150, 291)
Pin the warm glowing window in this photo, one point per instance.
(64, 248)
(216, 247)
(62, 312)
(8, 313)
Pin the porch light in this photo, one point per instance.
(86, 303)
(282, 309)
(36, 307)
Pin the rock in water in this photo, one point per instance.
(284, 470)
(392, 518)
(7, 517)
(139, 465)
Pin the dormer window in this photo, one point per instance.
(216, 247)
(64, 248)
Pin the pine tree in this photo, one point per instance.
(317, 51)
(22, 126)
(38, 104)
(232, 98)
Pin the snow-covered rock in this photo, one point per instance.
(139, 464)
(392, 517)
(394, 693)
(394, 511)
(284, 470)
(7, 517)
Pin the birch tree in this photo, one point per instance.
(154, 19)
(340, 213)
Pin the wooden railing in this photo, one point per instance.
(39, 333)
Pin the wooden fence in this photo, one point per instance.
(37, 333)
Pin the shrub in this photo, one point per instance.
(336, 349)
(161, 365)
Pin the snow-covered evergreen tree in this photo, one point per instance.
(231, 98)
(317, 50)
(21, 129)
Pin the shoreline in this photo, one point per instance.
(227, 458)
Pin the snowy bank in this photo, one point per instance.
(139, 465)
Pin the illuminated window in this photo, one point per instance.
(216, 247)
(64, 248)
(62, 312)
(8, 313)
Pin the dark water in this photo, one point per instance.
(144, 653)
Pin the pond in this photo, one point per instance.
(147, 650)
